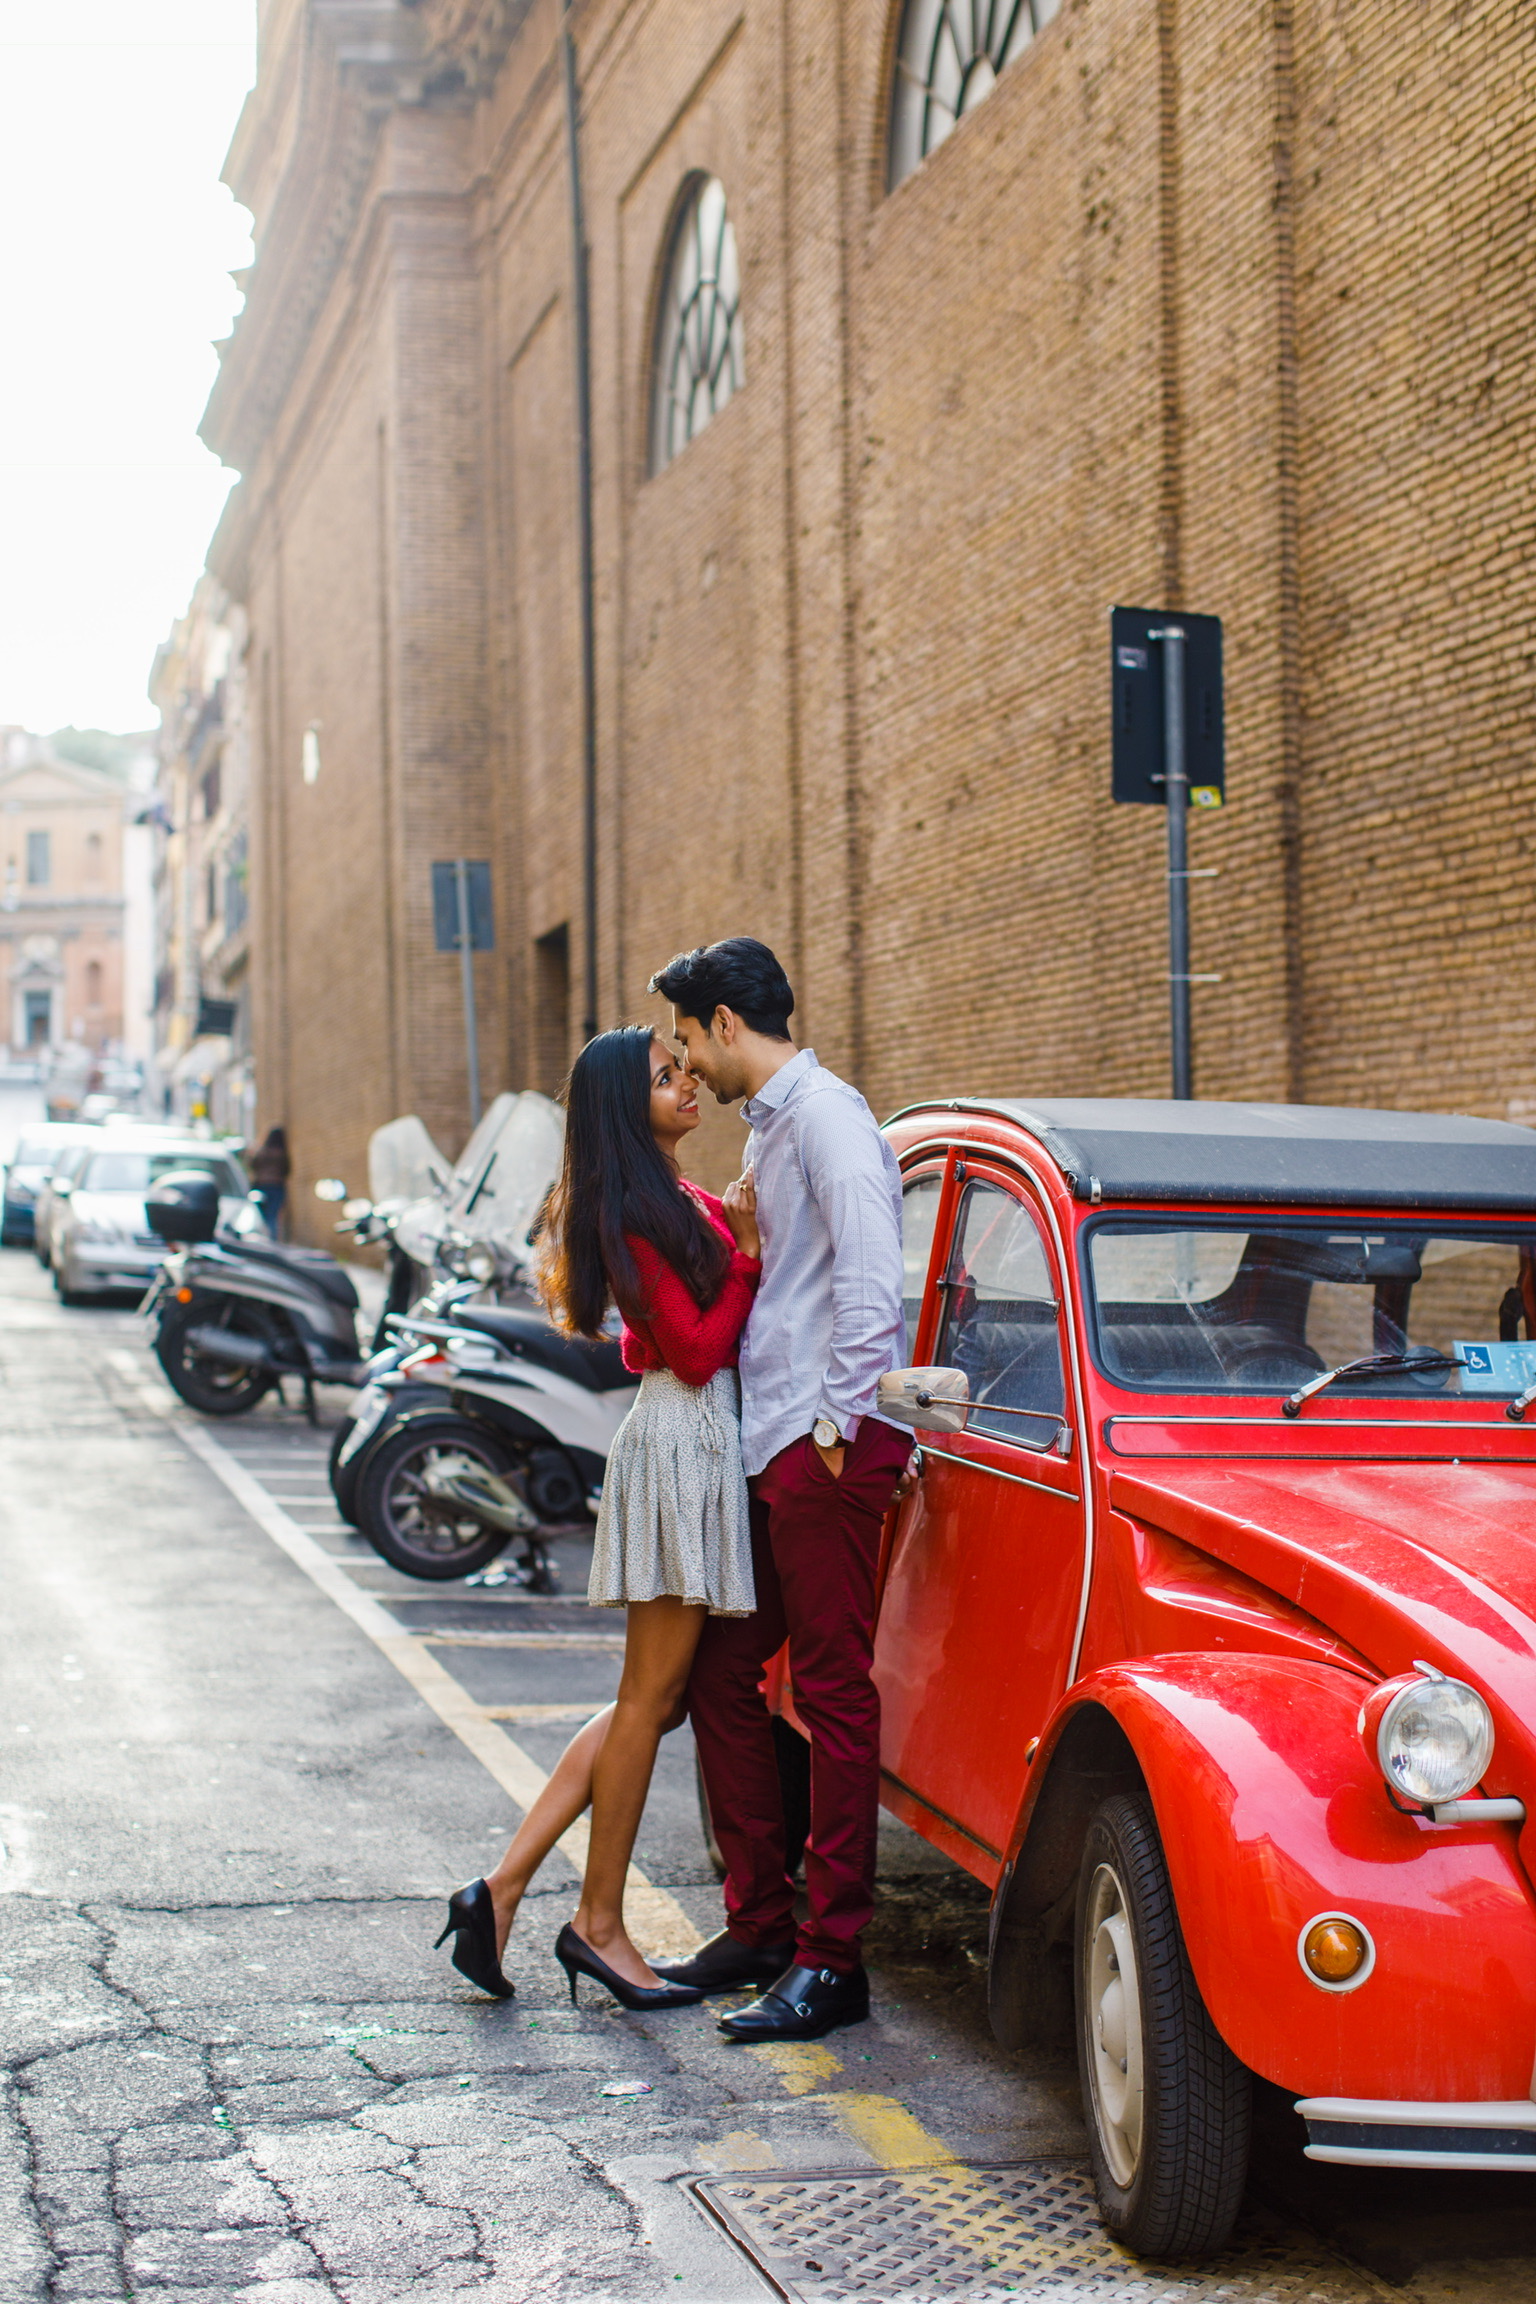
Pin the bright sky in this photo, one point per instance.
(116, 244)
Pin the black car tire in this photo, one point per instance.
(1169, 2118)
(213, 1387)
(390, 1477)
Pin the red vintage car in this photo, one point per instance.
(1208, 1640)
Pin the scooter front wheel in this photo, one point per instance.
(405, 1520)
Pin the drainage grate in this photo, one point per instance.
(985, 2234)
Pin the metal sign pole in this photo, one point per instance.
(467, 968)
(581, 318)
(1176, 772)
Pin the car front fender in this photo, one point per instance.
(1271, 1815)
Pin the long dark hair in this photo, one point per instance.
(615, 1179)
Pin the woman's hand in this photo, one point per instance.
(740, 1201)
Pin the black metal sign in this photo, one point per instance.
(216, 1018)
(1139, 751)
(445, 907)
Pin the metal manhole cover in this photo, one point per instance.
(985, 2234)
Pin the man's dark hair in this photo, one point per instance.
(739, 974)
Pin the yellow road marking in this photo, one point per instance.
(889, 2133)
(800, 2064)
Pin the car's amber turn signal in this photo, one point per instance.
(1334, 1950)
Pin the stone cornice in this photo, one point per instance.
(470, 37)
(359, 59)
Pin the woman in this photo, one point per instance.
(672, 1535)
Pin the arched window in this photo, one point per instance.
(947, 59)
(698, 327)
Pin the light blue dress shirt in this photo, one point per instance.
(827, 1321)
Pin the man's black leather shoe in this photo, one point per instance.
(804, 2003)
(723, 1965)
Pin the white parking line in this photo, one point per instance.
(659, 1922)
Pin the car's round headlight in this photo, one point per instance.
(1433, 1737)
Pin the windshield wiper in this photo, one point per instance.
(1374, 1364)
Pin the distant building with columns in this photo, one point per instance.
(62, 902)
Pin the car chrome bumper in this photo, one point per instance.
(108, 1264)
(1382, 2134)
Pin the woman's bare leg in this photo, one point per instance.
(563, 1799)
(658, 1653)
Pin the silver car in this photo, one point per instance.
(55, 1189)
(101, 1241)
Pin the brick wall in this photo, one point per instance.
(1223, 307)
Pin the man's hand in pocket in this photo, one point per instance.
(911, 1474)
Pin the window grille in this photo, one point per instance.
(39, 860)
(947, 59)
(699, 330)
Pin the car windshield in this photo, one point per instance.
(30, 1153)
(1241, 1307)
(136, 1171)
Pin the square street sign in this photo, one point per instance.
(1136, 670)
(445, 907)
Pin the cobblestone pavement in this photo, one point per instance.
(244, 1762)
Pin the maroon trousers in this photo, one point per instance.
(815, 1547)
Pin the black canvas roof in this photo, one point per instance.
(1131, 1148)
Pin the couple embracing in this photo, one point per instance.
(744, 1494)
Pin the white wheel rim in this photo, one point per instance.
(1112, 2013)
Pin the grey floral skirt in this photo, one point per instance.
(673, 1520)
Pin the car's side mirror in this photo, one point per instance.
(330, 1188)
(927, 1399)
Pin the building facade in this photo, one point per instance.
(203, 1064)
(62, 906)
(919, 335)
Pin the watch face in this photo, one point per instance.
(826, 1433)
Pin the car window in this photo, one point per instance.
(136, 1171)
(70, 1161)
(1216, 1308)
(35, 1152)
(919, 1214)
(1001, 1326)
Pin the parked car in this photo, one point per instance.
(101, 1240)
(36, 1153)
(1208, 1640)
(55, 1189)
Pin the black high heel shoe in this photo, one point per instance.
(472, 1925)
(579, 1959)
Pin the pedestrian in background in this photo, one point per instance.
(270, 1171)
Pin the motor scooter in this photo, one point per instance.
(451, 1232)
(514, 1444)
(232, 1316)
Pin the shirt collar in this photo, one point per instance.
(778, 1090)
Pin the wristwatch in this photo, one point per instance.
(825, 1433)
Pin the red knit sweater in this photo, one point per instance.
(694, 1344)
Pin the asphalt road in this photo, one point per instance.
(244, 1762)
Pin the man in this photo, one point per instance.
(821, 1468)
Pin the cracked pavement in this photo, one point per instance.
(234, 2066)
